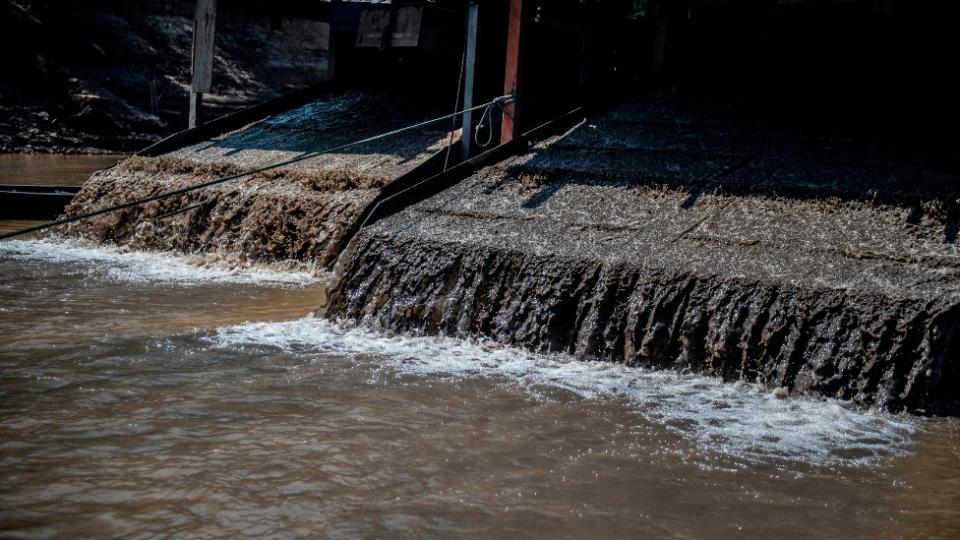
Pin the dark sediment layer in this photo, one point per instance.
(299, 211)
(703, 246)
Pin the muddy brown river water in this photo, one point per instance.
(53, 170)
(143, 396)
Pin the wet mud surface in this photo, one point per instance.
(697, 238)
(296, 212)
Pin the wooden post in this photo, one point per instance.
(466, 137)
(512, 79)
(196, 99)
(201, 60)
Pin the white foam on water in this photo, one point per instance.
(121, 264)
(742, 421)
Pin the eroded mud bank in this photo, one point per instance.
(300, 211)
(853, 346)
(688, 241)
(271, 217)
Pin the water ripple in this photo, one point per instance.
(119, 264)
(742, 421)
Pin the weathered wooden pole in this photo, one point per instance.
(470, 53)
(201, 60)
(512, 78)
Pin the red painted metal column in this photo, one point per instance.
(512, 77)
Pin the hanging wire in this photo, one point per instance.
(487, 117)
(456, 103)
(221, 180)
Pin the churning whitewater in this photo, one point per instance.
(122, 264)
(741, 421)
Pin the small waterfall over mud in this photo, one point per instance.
(279, 215)
(658, 236)
(858, 347)
(664, 233)
(301, 211)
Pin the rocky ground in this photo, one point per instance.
(113, 76)
(679, 233)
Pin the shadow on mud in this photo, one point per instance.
(697, 148)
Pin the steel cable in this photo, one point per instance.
(221, 180)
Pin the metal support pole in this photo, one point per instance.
(466, 137)
(512, 78)
(201, 58)
(196, 99)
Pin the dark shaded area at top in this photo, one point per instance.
(112, 75)
(697, 145)
(807, 100)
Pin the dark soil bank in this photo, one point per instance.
(677, 234)
(113, 76)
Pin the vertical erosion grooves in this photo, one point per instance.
(870, 349)
(274, 216)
